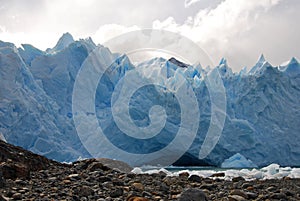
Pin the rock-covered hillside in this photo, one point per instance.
(28, 176)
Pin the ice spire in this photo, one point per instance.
(259, 65)
(261, 59)
(293, 61)
(223, 61)
(64, 41)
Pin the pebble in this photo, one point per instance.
(236, 198)
(67, 181)
(278, 196)
(195, 178)
(73, 176)
(239, 192)
(184, 174)
(218, 174)
(137, 199)
(237, 179)
(246, 185)
(17, 196)
(138, 186)
(85, 191)
(209, 187)
(116, 193)
(251, 195)
(2, 180)
(271, 189)
(193, 194)
(250, 188)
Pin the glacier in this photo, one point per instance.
(262, 105)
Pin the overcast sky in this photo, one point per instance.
(239, 30)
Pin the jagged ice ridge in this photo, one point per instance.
(262, 120)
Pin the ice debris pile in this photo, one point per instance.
(272, 171)
(262, 116)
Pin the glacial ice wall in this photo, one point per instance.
(262, 110)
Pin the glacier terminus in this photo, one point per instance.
(262, 120)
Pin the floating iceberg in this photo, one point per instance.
(238, 161)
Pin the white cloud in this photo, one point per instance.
(227, 19)
(109, 31)
(39, 40)
(2, 29)
(236, 29)
(188, 3)
(217, 30)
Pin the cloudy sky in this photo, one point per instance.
(239, 30)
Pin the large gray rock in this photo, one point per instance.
(115, 164)
(193, 194)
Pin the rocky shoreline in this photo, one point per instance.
(27, 176)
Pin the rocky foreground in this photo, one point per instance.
(27, 176)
